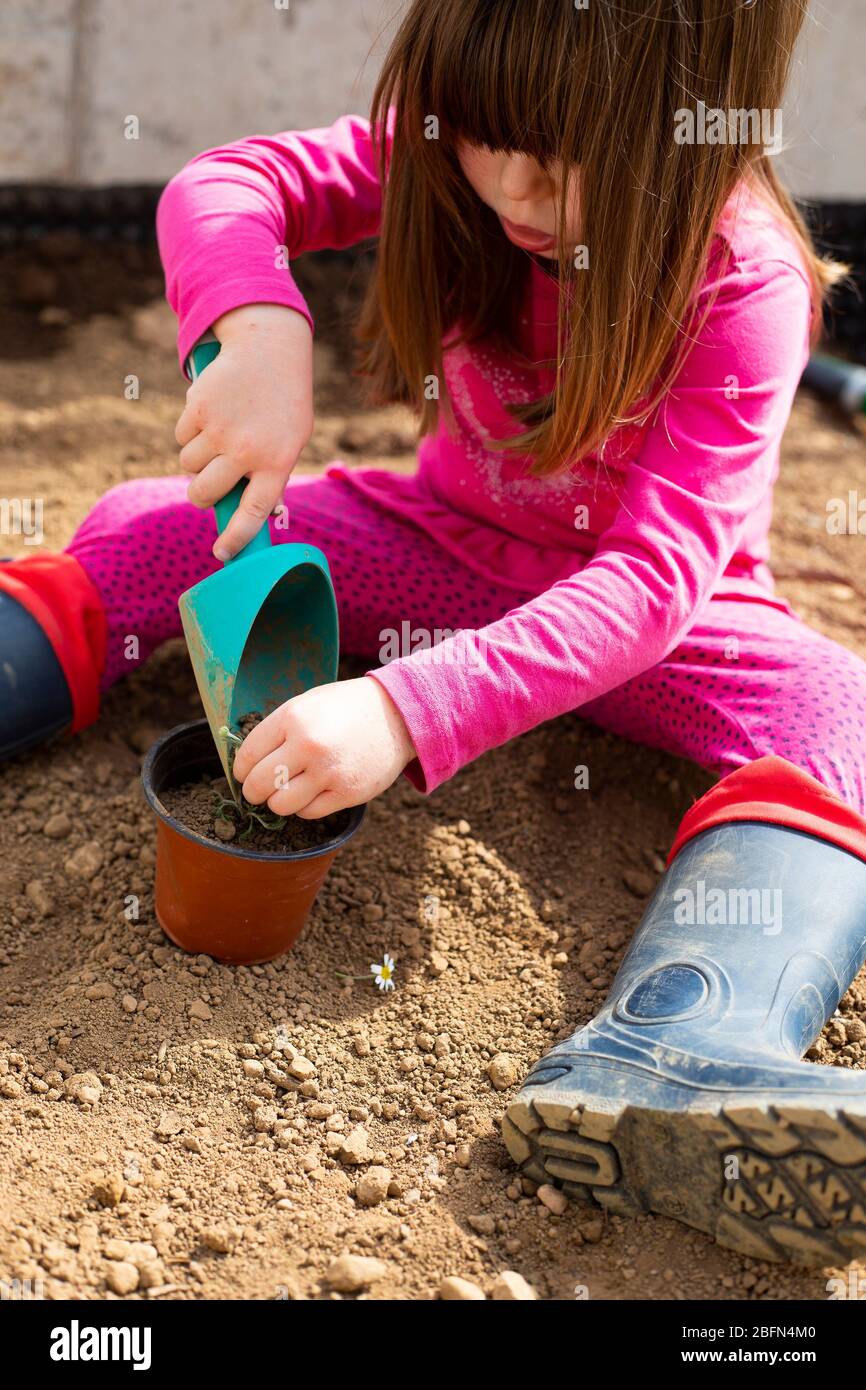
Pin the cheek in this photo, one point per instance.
(479, 168)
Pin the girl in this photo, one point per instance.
(602, 314)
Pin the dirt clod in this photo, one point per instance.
(554, 1200)
(503, 1071)
(86, 861)
(301, 1068)
(221, 1239)
(453, 1289)
(512, 1287)
(352, 1273)
(169, 1123)
(355, 1148)
(372, 1187)
(39, 898)
(122, 1278)
(58, 826)
(108, 1189)
(84, 1087)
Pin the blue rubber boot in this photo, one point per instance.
(686, 1095)
(35, 702)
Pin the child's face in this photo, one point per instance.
(524, 195)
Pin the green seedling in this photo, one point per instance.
(237, 810)
(246, 817)
(232, 743)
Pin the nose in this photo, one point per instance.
(522, 179)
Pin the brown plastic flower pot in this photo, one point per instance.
(238, 905)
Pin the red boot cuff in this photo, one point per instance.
(57, 593)
(775, 791)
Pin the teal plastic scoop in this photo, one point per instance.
(261, 629)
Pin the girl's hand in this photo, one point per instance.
(249, 415)
(335, 746)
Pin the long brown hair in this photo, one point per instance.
(598, 87)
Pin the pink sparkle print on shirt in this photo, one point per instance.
(480, 385)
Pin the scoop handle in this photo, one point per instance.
(201, 356)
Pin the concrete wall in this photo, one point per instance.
(196, 73)
(825, 117)
(193, 72)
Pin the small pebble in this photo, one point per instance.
(86, 861)
(484, 1224)
(457, 1290)
(221, 1239)
(372, 1187)
(301, 1068)
(39, 898)
(169, 1123)
(57, 827)
(122, 1278)
(108, 1189)
(355, 1148)
(551, 1197)
(512, 1287)
(352, 1273)
(503, 1071)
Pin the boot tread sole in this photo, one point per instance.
(776, 1181)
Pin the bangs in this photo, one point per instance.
(502, 74)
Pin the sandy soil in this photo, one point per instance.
(176, 1128)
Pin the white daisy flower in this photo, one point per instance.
(383, 974)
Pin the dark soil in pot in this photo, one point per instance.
(205, 806)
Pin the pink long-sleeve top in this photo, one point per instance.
(620, 559)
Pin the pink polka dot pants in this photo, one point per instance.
(748, 680)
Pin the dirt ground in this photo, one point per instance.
(174, 1128)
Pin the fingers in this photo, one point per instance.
(324, 804)
(272, 774)
(197, 454)
(261, 495)
(265, 738)
(190, 422)
(215, 480)
(284, 786)
(298, 794)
